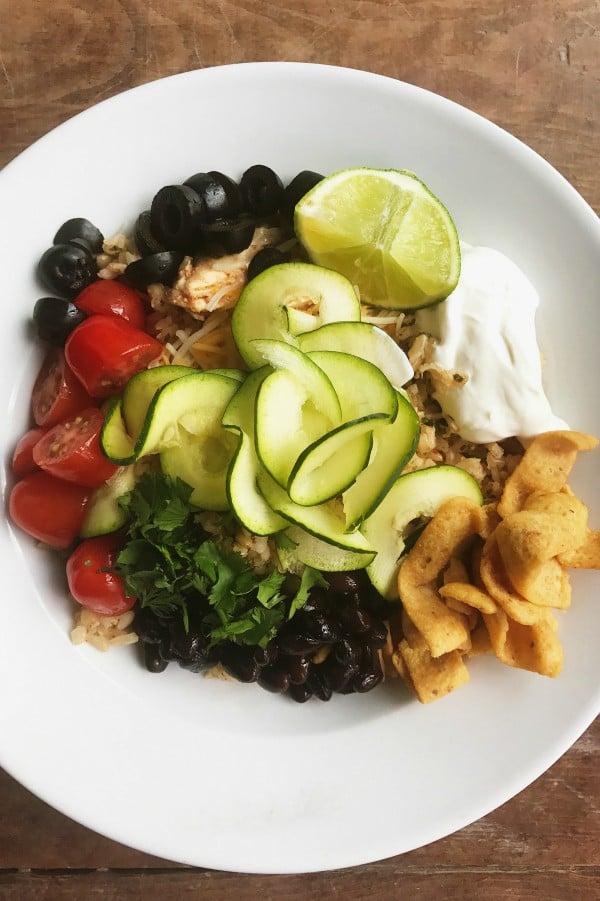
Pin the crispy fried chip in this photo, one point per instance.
(586, 556)
(480, 640)
(456, 571)
(444, 630)
(454, 523)
(545, 467)
(432, 677)
(540, 580)
(469, 595)
(532, 647)
(496, 581)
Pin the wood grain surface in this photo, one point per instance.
(532, 67)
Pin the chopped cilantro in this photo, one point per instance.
(172, 566)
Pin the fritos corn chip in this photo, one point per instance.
(586, 556)
(532, 647)
(545, 467)
(486, 579)
(432, 677)
(443, 629)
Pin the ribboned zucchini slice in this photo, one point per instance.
(261, 309)
(414, 495)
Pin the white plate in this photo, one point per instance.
(225, 775)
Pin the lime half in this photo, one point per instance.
(385, 231)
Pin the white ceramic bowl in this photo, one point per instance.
(225, 775)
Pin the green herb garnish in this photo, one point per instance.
(171, 565)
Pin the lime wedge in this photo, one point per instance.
(386, 232)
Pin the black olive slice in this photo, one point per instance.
(233, 235)
(262, 190)
(55, 318)
(158, 268)
(295, 191)
(74, 229)
(175, 214)
(145, 241)
(264, 259)
(221, 195)
(66, 269)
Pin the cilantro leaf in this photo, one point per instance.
(173, 567)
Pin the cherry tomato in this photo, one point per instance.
(71, 450)
(105, 351)
(57, 392)
(91, 587)
(22, 459)
(49, 509)
(113, 298)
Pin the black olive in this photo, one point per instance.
(175, 214)
(233, 235)
(295, 191)
(145, 241)
(261, 190)
(74, 230)
(55, 318)
(221, 195)
(264, 259)
(66, 269)
(158, 268)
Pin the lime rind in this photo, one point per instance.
(386, 232)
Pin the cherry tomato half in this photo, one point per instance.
(22, 459)
(113, 298)
(71, 450)
(49, 509)
(105, 351)
(57, 392)
(89, 584)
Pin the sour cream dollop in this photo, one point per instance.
(486, 330)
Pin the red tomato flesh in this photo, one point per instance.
(105, 351)
(22, 459)
(48, 509)
(71, 450)
(91, 587)
(57, 392)
(112, 298)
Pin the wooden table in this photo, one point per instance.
(532, 67)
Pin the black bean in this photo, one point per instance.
(149, 629)
(318, 599)
(344, 582)
(317, 683)
(188, 649)
(273, 678)
(291, 641)
(298, 669)
(355, 620)
(155, 663)
(299, 693)
(337, 674)
(317, 625)
(266, 655)
(377, 634)
(239, 662)
(348, 652)
(370, 673)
